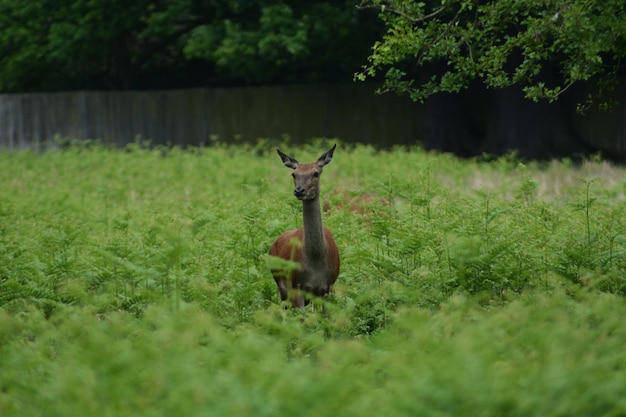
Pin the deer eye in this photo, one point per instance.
(293, 175)
(316, 174)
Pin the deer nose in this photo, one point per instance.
(298, 191)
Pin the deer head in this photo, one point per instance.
(306, 176)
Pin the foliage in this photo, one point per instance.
(119, 45)
(292, 41)
(78, 44)
(134, 282)
(545, 47)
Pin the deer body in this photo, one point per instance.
(312, 245)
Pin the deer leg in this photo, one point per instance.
(281, 282)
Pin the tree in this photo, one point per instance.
(54, 44)
(265, 41)
(116, 44)
(543, 46)
(298, 40)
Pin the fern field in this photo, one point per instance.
(135, 282)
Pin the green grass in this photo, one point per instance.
(134, 282)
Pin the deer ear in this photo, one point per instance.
(288, 161)
(327, 157)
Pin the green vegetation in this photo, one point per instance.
(100, 44)
(545, 47)
(134, 282)
(418, 47)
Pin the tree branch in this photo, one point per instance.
(154, 46)
(384, 8)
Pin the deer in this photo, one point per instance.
(311, 246)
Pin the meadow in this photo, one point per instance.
(134, 282)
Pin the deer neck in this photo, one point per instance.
(314, 245)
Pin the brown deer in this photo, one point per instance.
(312, 246)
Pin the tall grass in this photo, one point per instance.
(134, 282)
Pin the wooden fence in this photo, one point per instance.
(194, 116)
(469, 123)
